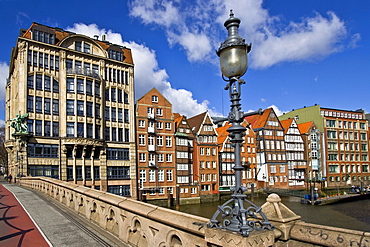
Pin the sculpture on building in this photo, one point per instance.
(19, 125)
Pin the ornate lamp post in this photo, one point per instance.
(234, 63)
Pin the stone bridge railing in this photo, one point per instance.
(141, 224)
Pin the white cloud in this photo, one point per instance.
(263, 100)
(148, 74)
(277, 110)
(198, 29)
(4, 73)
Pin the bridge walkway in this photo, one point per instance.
(32, 219)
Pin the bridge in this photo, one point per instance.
(135, 223)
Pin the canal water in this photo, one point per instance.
(351, 215)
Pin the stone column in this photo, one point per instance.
(92, 168)
(103, 170)
(63, 163)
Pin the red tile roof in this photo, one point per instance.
(304, 127)
(286, 124)
(259, 121)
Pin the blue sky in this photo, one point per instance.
(303, 52)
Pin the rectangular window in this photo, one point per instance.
(89, 87)
(118, 154)
(55, 129)
(55, 107)
(52, 62)
(126, 116)
(89, 109)
(47, 105)
(39, 82)
(38, 128)
(80, 130)
(55, 86)
(97, 89)
(30, 82)
(56, 62)
(38, 104)
(70, 85)
(86, 47)
(78, 45)
(70, 107)
(80, 86)
(114, 113)
(70, 129)
(30, 103)
(118, 172)
(47, 83)
(46, 61)
(97, 110)
(47, 128)
(42, 150)
(169, 175)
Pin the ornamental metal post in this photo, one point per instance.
(234, 63)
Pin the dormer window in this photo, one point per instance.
(115, 53)
(155, 99)
(43, 36)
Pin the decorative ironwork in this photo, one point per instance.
(235, 216)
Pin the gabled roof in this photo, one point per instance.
(222, 133)
(154, 91)
(259, 121)
(178, 119)
(286, 124)
(196, 121)
(304, 127)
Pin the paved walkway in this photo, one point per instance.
(16, 227)
(28, 218)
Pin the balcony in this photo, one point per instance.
(151, 116)
(152, 164)
(151, 148)
(151, 130)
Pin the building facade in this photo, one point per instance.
(205, 157)
(345, 143)
(188, 190)
(77, 94)
(294, 146)
(155, 146)
(272, 168)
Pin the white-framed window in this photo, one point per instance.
(160, 175)
(208, 151)
(169, 175)
(161, 191)
(201, 151)
(208, 164)
(282, 168)
(168, 125)
(151, 175)
(214, 177)
(202, 164)
(142, 157)
(168, 157)
(154, 99)
(159, 125)
(203, 177)
(170, 190)
(142, 123)
(141, 139)
(193, 190)
(273, 169)
(160, 140)
(168, 141)
(160, 157)
(143, 175)
(159, 112)
(214, 164)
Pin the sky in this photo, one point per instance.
(303, 52)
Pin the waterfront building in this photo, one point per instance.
(227, 159)
(271, 157)
(294, 146)
(205, 157)
(311, 137)
(77, 94)
(187, 189)
(155, 146)
(345, 143)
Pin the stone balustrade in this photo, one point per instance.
(142, 224)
